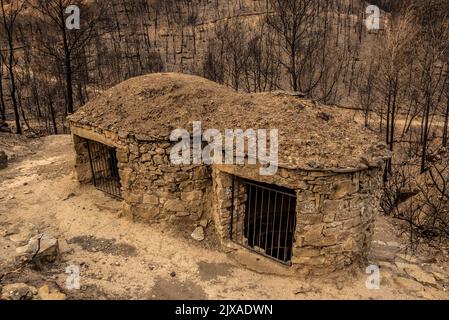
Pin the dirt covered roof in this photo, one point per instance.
(310, 136)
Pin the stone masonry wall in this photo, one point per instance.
(335, 213)
(82, 164)
(152, 188)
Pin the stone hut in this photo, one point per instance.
(315, 214)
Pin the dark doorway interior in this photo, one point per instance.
(103, 162)
(269, 221)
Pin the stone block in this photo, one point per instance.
(134, 149)
(310, 218)
(309, 261)
(174, 205)
(158, 160)
(306, 207)
(327, 241)
(146, 157)
(148, 213)
(191, 196)
(344, 188)
(150, 199)
(346, 213)
(200, 173)
(306, 252)
(313, 234)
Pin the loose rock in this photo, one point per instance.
(44, 293)
(198, 234)
(42, 248)
(420, 275)
(18, 291)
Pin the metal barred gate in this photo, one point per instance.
(264, 219)
(103, 162)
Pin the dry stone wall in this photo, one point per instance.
(152, 188)
(335, 213)
(335, 210)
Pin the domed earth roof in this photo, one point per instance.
(311, 137)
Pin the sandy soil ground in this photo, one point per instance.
(119, 259)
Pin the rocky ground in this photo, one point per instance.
(117, 259)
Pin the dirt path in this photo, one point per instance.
(123, 260)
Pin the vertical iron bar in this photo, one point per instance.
(232, 206)
(255, 218)
(107, 164)
(238, 213)
(117, 176)
(113, 167)
(98, 165)
(268, 220)
(109, 169)
(110, 173)
(97, 169)
(293, 225)
(102, 159)
(287, 231)
(261, 217)
(280, 225)
(248, 210)
(274, 224)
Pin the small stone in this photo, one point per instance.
(173, 274)
(204, 223)
(21, 238)
(305, 288)
(340, 285)
(70, 195)
(198, 234)
(158, 160)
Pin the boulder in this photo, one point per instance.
(420, 275)
(18, 291)
(42, 249)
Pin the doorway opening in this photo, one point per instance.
(266, 220)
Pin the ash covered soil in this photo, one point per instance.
(119, 259)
